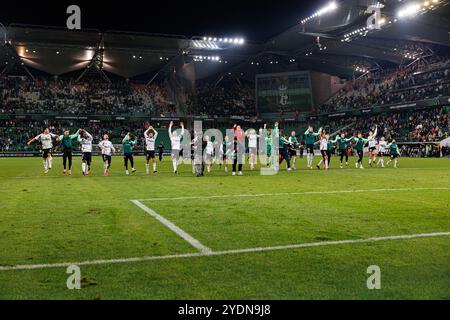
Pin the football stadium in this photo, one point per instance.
(310, 161)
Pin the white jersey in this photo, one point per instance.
(150, 142)
(86, 143)
(176, 140)
(323, 144)
(46, 140)
(106, 146)
(252, 140)
(382, 146)
(372, 140)
(209, 148)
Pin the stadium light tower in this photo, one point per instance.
(217, 43)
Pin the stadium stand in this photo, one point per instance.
(224, 100)
(426, 79)
(64, 96)
(405, 126)
(407, 97)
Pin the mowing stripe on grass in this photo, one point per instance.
(222, 253)
(188, 173)
(290, 194)
(194, 242)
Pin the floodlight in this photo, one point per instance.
(408, 10)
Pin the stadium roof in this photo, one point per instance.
(335, 41)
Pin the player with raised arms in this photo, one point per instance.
(85, 139)
(372, 145)
(342, 147)
(175, 140)
(107, 148)
(323, 139)
(360, 143)
(310, 139)
(46, 142)
(128, 143)
(150, 136)
(67, 148)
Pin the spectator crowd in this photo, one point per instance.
(421, 80)
(64, 96)
(420, 126)
(230, 99)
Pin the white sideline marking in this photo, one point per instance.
(194, 242)
(221, 253)
(291, 193)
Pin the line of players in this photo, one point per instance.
(377, 148)
(288, 146)
(85, 140)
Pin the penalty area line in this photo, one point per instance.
(222, 253)
(192, 241)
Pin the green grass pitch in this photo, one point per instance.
(48, 219)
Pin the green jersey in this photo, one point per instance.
(360, 143)
(283, 142)
(293, 139)
(393, 148)
(66, 141)
(268, 143)
(268, 139)
(330, 145)
(227, 147)
(128, 144)
(310, 137)
(342, 143)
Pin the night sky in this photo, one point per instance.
(253, 20)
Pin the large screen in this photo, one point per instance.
(287, 92)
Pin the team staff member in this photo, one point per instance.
(160, 151)
(238, 149)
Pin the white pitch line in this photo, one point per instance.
(192, 241)
(221, 253)
(290, 194)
